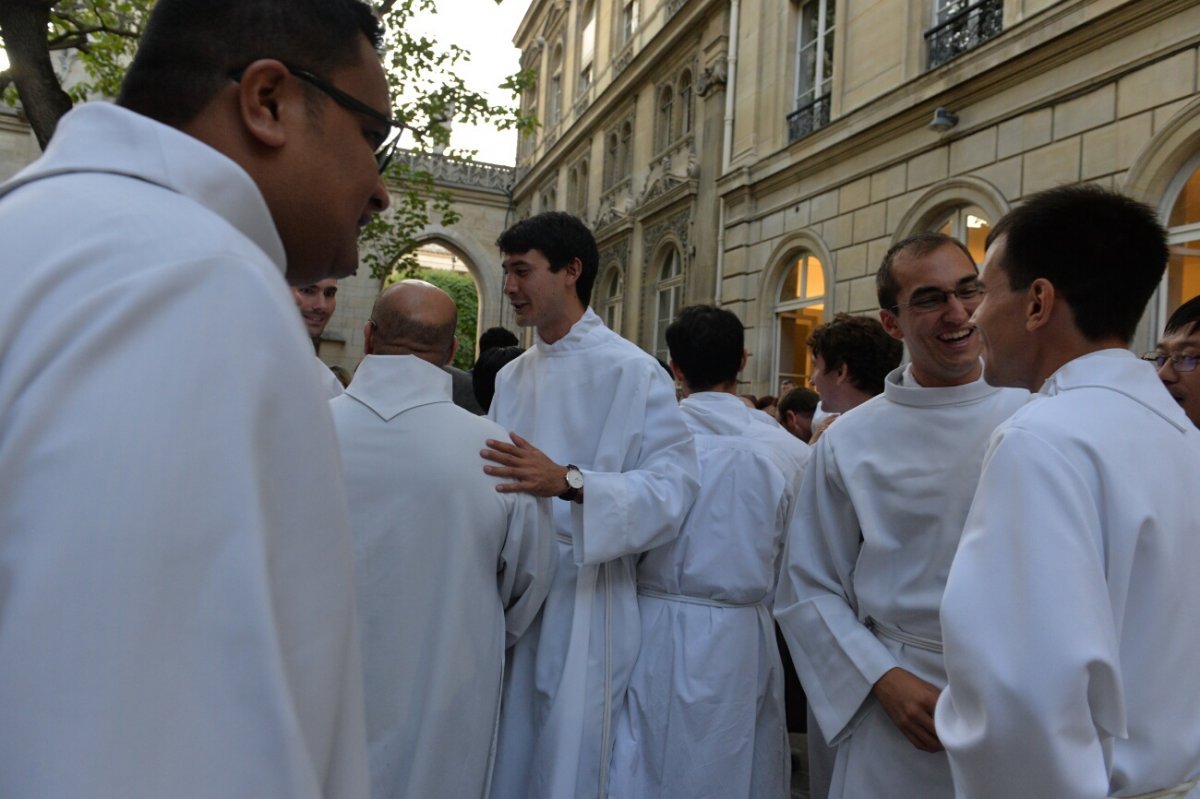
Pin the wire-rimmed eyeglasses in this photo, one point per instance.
(932, 299)
(390, 137)
(1180, 363)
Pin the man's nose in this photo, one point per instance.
(380, 197)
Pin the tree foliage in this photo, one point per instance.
(102, 35)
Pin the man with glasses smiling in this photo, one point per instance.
(1176, 357)
(876, 527)
(176, 611)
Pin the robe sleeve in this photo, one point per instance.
(527, 563)
(643, 505)
(1030, 644)
(837, 658)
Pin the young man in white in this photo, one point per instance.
(876, 528)
(704, 715)
(612, 446)
(448, 571)
(1069, 614)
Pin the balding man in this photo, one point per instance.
(449, 571)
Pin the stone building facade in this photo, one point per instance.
(764, 154)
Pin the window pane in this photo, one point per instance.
(1183, 274)
(795, 360)
(1186, 210)
(790, 289)
(814, 285)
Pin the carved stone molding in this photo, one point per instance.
(679, 224)
(712, 78)
(458, 172)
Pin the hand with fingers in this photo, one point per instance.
(910, 701)
(527, 468)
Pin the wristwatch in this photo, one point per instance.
(574, 483)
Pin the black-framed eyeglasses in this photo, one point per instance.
(394, 127)
(927, 300)
(1180, 363)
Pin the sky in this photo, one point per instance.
(486, 31)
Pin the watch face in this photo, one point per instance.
(574, 478)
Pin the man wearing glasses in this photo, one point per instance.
(1069, 613)
(176, 595)
(876, 527)
(1176, 357)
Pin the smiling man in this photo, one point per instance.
(878, 521)
(612, 445)
(1177, 355)
(1069, 613)
(176, 617)
(317, 302)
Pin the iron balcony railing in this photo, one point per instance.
(970, 25)
(809, 118)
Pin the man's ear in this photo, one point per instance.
(453, 349)
(843, 374)
(1039, 305)
(891, 324)
(369, 338)
(266, 99)
(573, 270)
(675, 370)
(745, 357)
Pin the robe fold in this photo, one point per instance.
(704, 714)
(874, 533)
(1072, 649)
(176, 584)
(448, 570)
(594, 400)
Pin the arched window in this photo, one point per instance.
(555, 99)
(669, 296)
(612, 296)
(969, 225)
(1183, 231)
(587, 46)
(666, 103)
(799, 307)
(577, 186)
(685, 103)
(629, 20)
(612, 160)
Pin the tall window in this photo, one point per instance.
(666, 114)
(814, 43)
(970, 226)
(555, 100)
(629, 19)
(685, 103)
(612, 296)
(669, 294)
(612, 160)
(799, 307)
(1183, 231)
(587, 46)
(626, 150)
(577, 188)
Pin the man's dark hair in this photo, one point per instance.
(860, 343)
(1104, 253)
(560, 237)
(887, 288)
(483, 376)
(1185, 317)
(190, 48)
(799, 400)
(706, 343)
(497, 337)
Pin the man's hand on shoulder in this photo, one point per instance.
(530, 471)
(909, 701)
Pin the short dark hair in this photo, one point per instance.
(483, 376)
(191, 47)
(706, 343)
(560, 237)
(1185, 316)
(1104, 253)
(497, 337)
(887, 288)
(860, 343)
(799, 400)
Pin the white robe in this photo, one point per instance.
(704, 714)
(594, 400)
(176, 585)
(1072, 647)
(875, 530)
(447, 570)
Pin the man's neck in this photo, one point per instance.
(553, 331)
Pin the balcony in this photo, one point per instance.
(967, 26)
(812, 117)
